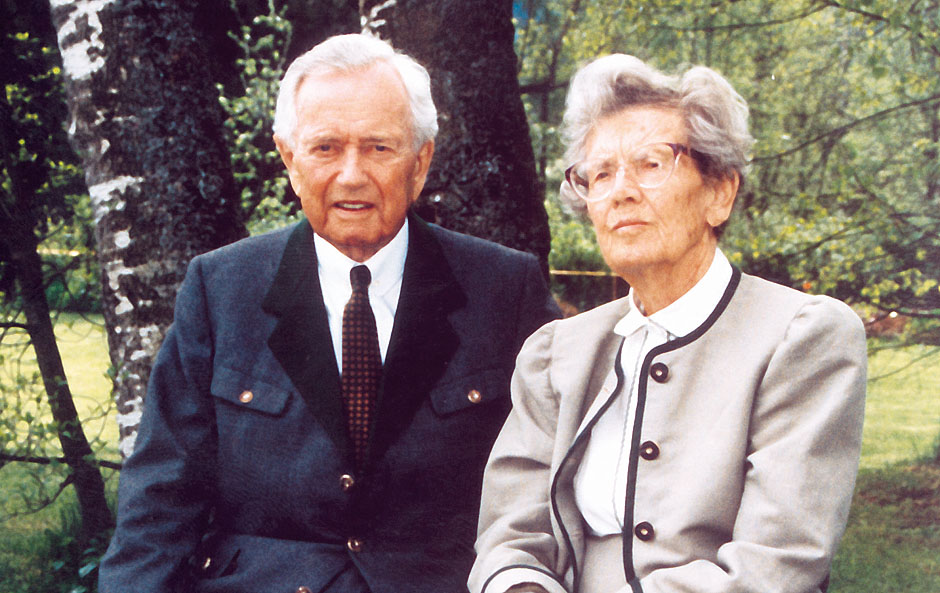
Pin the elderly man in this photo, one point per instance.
(321, 410)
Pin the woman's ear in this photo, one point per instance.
(724, 191)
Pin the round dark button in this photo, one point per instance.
(346, 482)
(354, 545)
(644, 531)
(649, 451)
(659, 372)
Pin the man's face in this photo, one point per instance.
(352, 160)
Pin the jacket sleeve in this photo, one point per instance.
(166, 484)
(537, 306)
(802, 458)
(515, 542)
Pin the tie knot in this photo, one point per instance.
(359, 277)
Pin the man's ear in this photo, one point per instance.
(724, 191)
(284, 149)
(423, 164)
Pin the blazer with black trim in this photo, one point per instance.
(242, 475)
(745, 451)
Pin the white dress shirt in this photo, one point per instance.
(386, 267)
(600, 484)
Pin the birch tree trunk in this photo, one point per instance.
(146, 121)
(483, 179)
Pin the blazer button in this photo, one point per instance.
(246, 397)
(474, 396)
(659, 372)
(346, 482)
(354, 544)
(649, 451)
(303, 590)
(644, 531)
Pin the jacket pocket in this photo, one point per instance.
(470, 391)
(248, 392)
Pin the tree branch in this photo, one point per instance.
(845, 128)
(4, 457)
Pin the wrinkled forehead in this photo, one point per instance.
(629, 128)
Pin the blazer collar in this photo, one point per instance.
(423, 340)
(301, 340)
(422, 343)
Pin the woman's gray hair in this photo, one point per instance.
(715, 114)
(351, 53)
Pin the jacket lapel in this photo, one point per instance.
(301, 340)
(423, 340)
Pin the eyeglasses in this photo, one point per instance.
(649, 166)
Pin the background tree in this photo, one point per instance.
(146, 120)
(482, 180)
(39, 186)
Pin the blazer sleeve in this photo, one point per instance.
(801, 464)
(515, 542)
(166, 484)
(536, 306)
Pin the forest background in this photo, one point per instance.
(121, 162)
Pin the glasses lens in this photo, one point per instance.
(648, 166)
(592, 180)
(652, 165)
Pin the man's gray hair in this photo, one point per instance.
(715, 114)
(351, 53)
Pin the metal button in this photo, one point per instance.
(346, 482)
(354, 544)
(207, 563)
(303, 590)
(474, 396)
(659, 372)
(644, 531)
(246, 397)
(649, 451)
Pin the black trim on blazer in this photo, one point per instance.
(535, 568)
(627, 532)
(587, 429)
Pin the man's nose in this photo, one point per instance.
(351, 170)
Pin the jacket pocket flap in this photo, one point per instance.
(469, 391)
(247, 391)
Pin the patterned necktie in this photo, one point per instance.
(362, 362)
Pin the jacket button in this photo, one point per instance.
(649, 451)
(346, 482)
(474, 396)
(354, 544)
(303, 590)
(644, 531)
(659, 372)
(246, 397)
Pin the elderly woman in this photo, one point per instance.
(700, 435)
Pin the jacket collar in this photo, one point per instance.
(422, 341)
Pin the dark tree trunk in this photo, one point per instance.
(146, 120)
(483, 179)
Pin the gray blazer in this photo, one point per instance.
(744, 457)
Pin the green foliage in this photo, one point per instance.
(259, 175)
(43, 194)
(844, 191)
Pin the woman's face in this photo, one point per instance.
(666, 229)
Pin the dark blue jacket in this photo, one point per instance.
(237, 480)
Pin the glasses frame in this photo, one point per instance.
(677, 150)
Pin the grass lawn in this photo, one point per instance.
(891, 545)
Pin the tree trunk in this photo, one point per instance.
(146, 120)
(483, 179)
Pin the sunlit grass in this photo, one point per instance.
(902, 410)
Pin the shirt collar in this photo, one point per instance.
(687, 312)
(386, 267)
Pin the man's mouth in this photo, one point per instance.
(353, 205)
